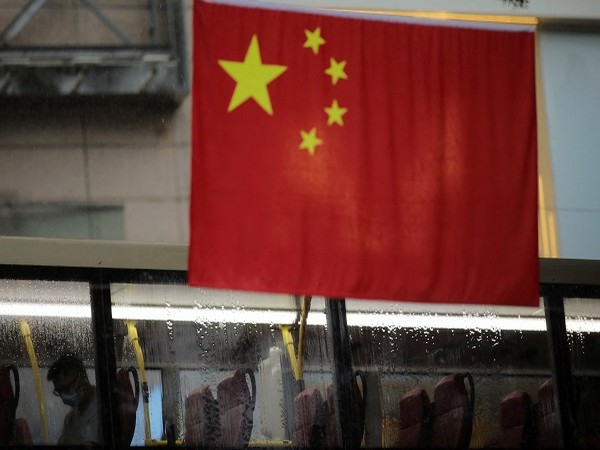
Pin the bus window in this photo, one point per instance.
(583, 326)
(430, 360)
(223, 358)
(47, 333)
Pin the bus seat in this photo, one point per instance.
(9, 400)
(310, 414)
(128, 399)
(453, 412)
(22, 434)
(547, 426)
(331, 437)
(516, 421)
(415, 419)
(236, 406)
(202, 421)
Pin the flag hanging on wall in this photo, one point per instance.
(356, 157)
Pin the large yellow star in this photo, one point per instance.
(313, 40)
(335, 113)
(251, 77)
(336, 70)
(310, 140)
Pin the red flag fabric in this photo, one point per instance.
(352, 157)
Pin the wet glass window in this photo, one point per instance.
(47, 364)
(228, 368)
(449, 375)
(583, 325)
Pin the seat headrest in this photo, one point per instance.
(515, 409)
(233, 390)
(413, 407)
(307, 402)
(450, 393)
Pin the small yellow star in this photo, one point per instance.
(335, 113)
(336, 70)
(313, 40)
(310, 140)
(251, 77)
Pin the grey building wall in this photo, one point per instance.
(134, 160)
(108, 154)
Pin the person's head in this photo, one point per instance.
(70, 379)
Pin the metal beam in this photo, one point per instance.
(153, 21)
(20, 20)
(125, 70)
(66, 57)
(563, 271)
(178, 44)
(89, 4)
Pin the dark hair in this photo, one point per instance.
(67, 364)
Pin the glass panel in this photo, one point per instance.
(573, 137)
(211, 351)
(61, 220)
(404, 347)
(40, 321)
(583, 328)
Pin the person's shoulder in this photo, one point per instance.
(69, 415)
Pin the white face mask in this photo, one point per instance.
(71, 398)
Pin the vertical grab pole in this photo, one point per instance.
(106, 365)
(26, 332)
(560, 355)
(301, 335)
(297, 359)
(133, 336)
(288, 342)
(343, 375)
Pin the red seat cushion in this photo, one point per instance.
(516, 425)
(451, 413)
(331, 437)
(8, 407)
(202, 421)
(310, 413)
(234, 423)
(22, 433)
(415, 411)
(127, 407)
(548, 432)
(235, 404)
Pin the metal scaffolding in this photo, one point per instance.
(156, 68)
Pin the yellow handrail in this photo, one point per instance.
(133, 337)
(288, 342)
(296, 360)
(164, 442)
(259, 443)
(26, 332)
(303, 316)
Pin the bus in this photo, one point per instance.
(174, 365)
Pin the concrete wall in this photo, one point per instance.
(108, 155)
(105, 153)
(138, 157)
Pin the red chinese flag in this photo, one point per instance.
(354, 157)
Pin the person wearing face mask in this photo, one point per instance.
(71, 384)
